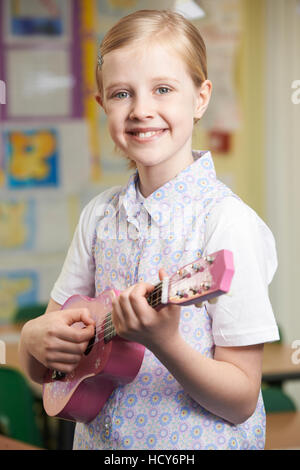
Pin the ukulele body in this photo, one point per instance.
(110, 361)
(80, 395)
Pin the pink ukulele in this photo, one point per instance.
(110, 361)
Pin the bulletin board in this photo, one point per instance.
(49, 149)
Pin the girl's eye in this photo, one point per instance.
(163, 90)
(121, 95)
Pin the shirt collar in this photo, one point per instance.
(178, 192)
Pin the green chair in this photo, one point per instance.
(28, 312)
(18, 418)
(276, 400)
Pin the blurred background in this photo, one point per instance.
(56, 154)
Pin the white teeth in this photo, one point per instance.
(143, 135)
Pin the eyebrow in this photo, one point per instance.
(155, 79)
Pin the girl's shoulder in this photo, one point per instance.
(234, 225)
(233, 211)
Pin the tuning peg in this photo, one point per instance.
(210, 301)
(198, 267)
(183, 273)
(199, 305)
(206, 285)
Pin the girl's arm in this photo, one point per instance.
(50, 342)
(226, 385)
(33, 368)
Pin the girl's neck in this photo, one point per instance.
(153, 177)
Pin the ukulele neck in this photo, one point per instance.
(154, 299)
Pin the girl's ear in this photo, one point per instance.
(99, 100)
(203, 97)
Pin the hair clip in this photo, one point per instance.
(100, 60)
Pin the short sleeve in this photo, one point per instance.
(78, 272)
(244, 316)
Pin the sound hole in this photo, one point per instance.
(90, 345)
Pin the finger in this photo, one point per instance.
(128, 305)
(138, 296)
(74, 334)
(60, 346)
(64, 359)
(142, 289)
(78, 315)
(125, 313)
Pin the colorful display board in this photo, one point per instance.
(49, 150)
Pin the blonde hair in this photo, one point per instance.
(166, 27)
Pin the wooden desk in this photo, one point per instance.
(277, 364)
(283, 430)
(6, 443)
(277, 368)
(277, 359)
(10, 334)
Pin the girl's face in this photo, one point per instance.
(151, 102)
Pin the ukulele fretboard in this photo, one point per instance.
(153, 299)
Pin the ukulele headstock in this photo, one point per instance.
(202, 279)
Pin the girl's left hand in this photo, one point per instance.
(135, 320)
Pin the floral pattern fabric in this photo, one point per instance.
(133, 239)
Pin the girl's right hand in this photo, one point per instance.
(54, 342)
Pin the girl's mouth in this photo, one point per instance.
(146, 136)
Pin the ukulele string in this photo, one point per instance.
(106, 327)
(105, 332)
(157, 301)
(110, 327)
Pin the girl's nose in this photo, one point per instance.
(142, 108)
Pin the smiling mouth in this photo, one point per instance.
(147, 135)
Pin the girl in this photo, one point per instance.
(199, 384)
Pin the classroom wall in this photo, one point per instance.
(47, 215)
(243, 163)
(282, 103)
(243, 166)
(262, 164)
(47, 154)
